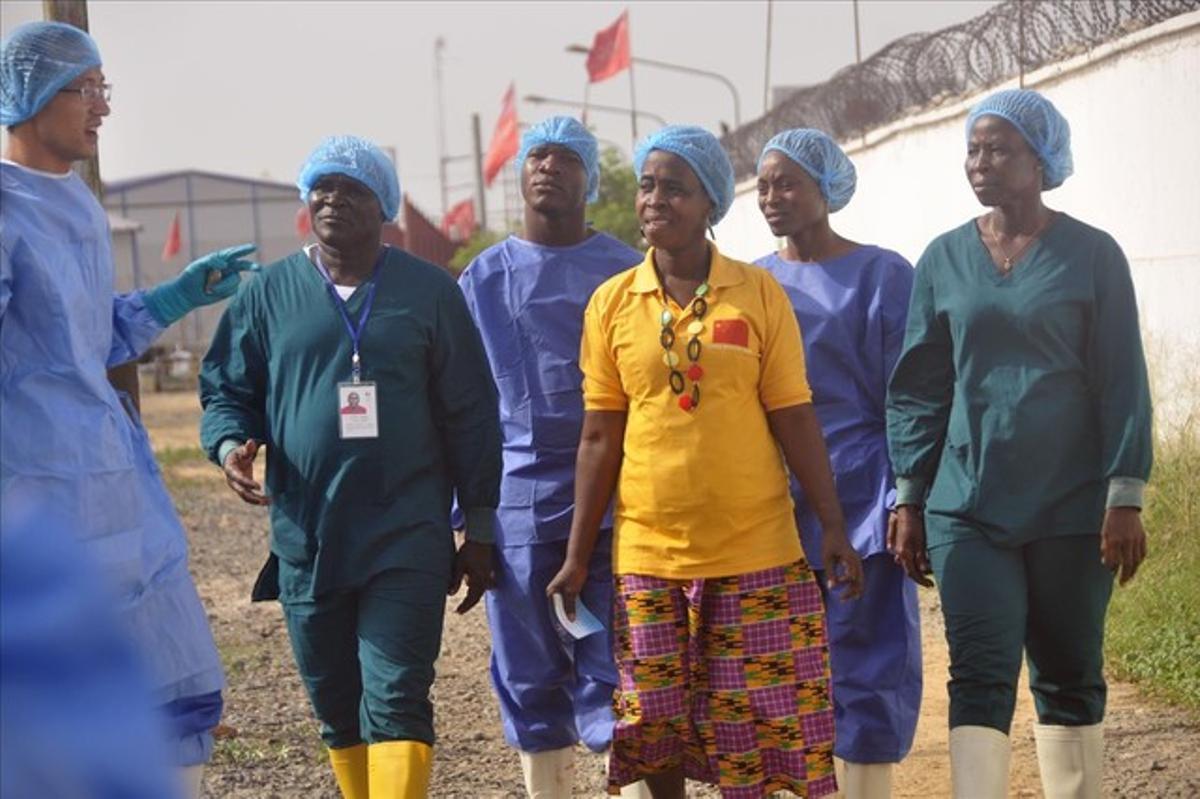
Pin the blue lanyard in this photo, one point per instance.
(354, 330)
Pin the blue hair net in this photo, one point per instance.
(704, 155)
(355, 158)
(1039, 122)
(822, 159)
(569, 133)
(36, 60)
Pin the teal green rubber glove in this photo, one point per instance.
(204, 281)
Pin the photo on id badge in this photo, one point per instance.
(358, 410)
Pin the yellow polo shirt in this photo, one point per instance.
(702, 493)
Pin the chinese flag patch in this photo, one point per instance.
(731, 331)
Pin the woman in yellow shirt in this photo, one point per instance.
(693, 384)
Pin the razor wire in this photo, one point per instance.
(922, 70)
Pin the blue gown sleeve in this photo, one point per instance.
(895, 293)
(134, 328)
(920, 391)
(466, 403)
(1120, 386)
(233, 379)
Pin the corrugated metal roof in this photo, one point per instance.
(160, 177)
(120, 224)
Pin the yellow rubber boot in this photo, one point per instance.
(399, 769)
(350, 770)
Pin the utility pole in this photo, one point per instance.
(439, 45)
(481, 193)
(632, 107)
(857, 37)
(75, 12)
(858, 78)
(1021, 43)
(767, 65)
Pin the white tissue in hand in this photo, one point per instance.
(585, 623)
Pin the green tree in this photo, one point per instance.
(613, 212)
(480, 240)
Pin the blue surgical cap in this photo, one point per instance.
(1039, 122)
(822, 159)
(355, 158)
(704, 155)
(569, 133)
(36, 60)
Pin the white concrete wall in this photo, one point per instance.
(1134, 110)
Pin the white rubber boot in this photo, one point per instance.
(867, 781)
(1071, 760)
(637, 790)
(192, 778)
(978, 762)
(549, 775)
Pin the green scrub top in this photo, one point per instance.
(1020, 405)
(344, 510)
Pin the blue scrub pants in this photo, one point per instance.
(875, 659)
(366, 656)
(552, 693)
(1048, 598)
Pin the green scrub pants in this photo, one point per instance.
(1048, 598)
(366, 657)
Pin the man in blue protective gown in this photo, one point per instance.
(527, 296)
(65, 436)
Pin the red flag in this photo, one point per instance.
(505, 139)
(459, 222)
(303, 223)
(172, 244)
(610, 50)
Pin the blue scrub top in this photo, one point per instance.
(65, 437)
(528, 301)
(852, 313)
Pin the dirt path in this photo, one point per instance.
(269, 746)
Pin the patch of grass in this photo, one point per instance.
(176, 456)
(185, 468)
(237, 657)
(1153, 634)
(247, 752)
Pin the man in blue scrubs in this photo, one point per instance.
(527, 295)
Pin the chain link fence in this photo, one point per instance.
(925, 69)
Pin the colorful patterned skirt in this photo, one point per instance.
(727, 677)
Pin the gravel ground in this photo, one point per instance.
(268, 746)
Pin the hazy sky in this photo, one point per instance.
(247, 88)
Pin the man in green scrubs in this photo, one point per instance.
(361, 548)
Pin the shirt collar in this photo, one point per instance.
(721, 272)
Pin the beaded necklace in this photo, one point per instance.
(666, 337)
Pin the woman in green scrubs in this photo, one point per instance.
(1019, 428)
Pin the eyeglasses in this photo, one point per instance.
(92, 92)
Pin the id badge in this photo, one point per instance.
(358, 410)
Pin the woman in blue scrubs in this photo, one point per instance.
(850, 300)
